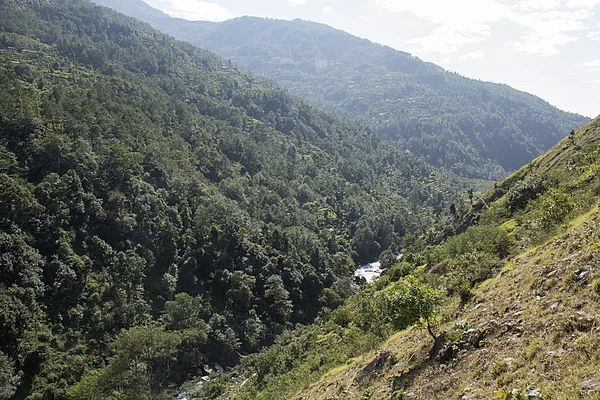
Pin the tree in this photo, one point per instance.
(9, 379)
(277, 298)
(408, 302)
(143, 359)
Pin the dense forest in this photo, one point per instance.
(161, 210)
(474, 128)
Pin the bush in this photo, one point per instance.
(485, 239)
(551, 209)
(523, 192)
(399, 270)
(215, 387)
(341, 316)
(468, 270)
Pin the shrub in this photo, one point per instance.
(468, 270)
(523, 192)
(551, 209)
(596, 286)
(400, 270)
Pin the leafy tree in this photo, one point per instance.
(408, 302)
(143, 358)
(277, 299)
(9, 378)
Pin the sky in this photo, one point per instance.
(550, 48)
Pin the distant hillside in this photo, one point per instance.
(161, 210)
(474, 128)
(508, 310)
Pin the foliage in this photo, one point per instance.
(525, 191)
(9, 379)
(143, 360)
(407, 302)
(488, 239)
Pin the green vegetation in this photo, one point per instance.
(160, 210)
(473, 128)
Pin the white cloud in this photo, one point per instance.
(295, 3)
(328, 9)
(196, 10)
(474, 55)
(550, 29)
(594, 36)
(591, 66)
(548, 23)
(542, 45)
(583, 3)
(538, 5)
(460, 22)
(448, 39)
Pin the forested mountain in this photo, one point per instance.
(474, 128)
(507, 310)
(160, 209)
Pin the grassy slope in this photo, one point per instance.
(538, 319)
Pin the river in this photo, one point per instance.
(369, 271)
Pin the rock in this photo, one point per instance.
(586, 316)
(477, 337)
(446, 384)
(533, 393)
(590, 385)
(374, 365)
(448, 352)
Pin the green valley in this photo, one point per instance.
(513, 303)
(172, 226)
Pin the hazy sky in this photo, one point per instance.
(546, 47)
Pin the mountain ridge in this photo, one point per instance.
(477, 129)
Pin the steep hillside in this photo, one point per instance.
(474, 128)
(508, 309)
(160, 210)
